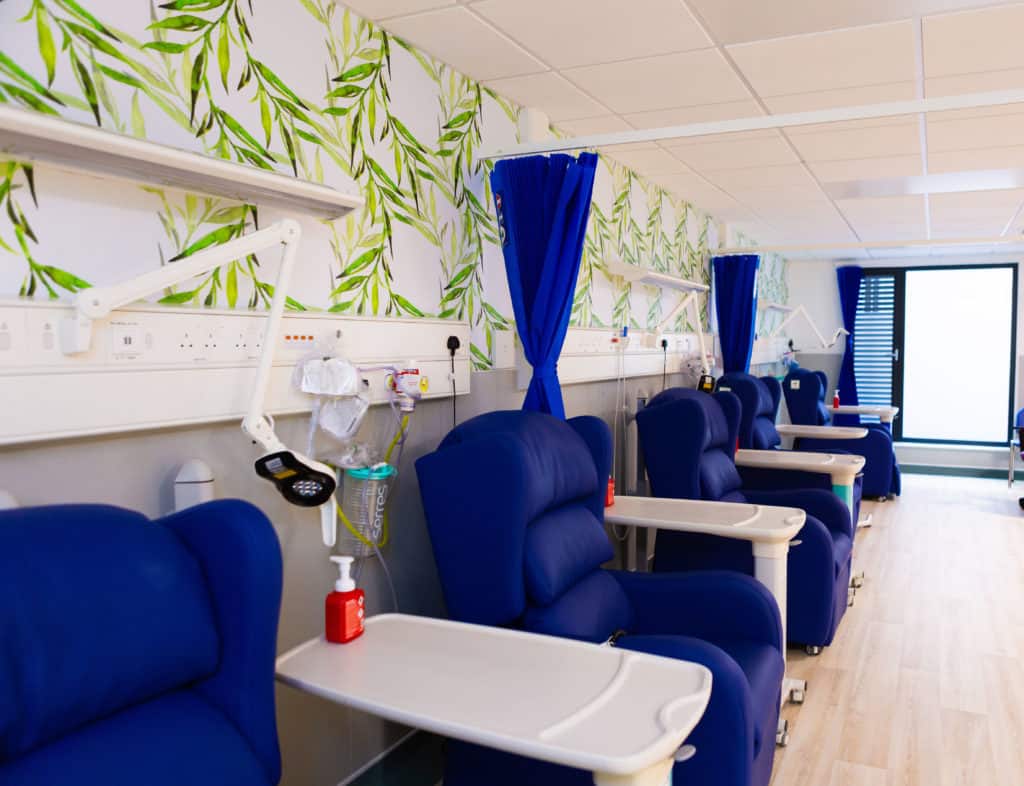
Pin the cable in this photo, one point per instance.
(664, 363)
(453, 344)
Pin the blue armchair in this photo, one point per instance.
(805, 399)
(515, 504)
(759, 401)
(688, 440)
(135, 651)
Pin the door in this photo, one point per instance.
(940, 343)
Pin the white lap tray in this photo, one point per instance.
(884, 413)
(822, 432)
(597, 708)
(841, 468)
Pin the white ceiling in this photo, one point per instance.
(602, 66)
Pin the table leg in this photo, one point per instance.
(770, 568)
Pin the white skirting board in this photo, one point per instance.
(589, 355)
(157, 367)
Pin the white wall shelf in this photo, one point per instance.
(159, 367)
(65, 144)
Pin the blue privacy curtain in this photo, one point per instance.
(543, 203)
(849, 278)
(736, 308)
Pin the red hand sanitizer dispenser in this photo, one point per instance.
(345, 607)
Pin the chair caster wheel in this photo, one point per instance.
(812, 650)
(796, 696)
(782, 733)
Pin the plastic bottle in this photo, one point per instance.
(835, 400)
(344, 608)
(609, 492)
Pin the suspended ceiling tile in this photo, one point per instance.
(998, 206)
(853, 57)
(883, 210)
(960, 84)
(375, 10)
(968, 228)
(569, 33)
(850, 96)
(734, 154)
(803, 232)
(971, 41)
(553, 93)
(469, 45)
(806, 202)
(733, 180)
(869, 231)
(844, 142)
(985, 158)
(663, 82)
(649, 162)
(679, 116)
(970, 132)
(601, 124)
(696, 191)
(736, 21)
(867, 168)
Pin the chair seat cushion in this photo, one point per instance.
(174, 740)
(760, 663)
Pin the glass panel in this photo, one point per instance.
(958, 325)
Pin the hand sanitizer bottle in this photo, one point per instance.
(345, 607)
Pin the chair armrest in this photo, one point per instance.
(822, 505)
(704, 604)
(238, 551)
(822, 432)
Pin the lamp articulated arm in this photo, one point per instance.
(98, 302)
(301, 480)
(801, 311)
(688, 301)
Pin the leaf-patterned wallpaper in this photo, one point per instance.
(308, 88)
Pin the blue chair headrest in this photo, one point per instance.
(716, 432)
(102, 609)
(559, 463)
(805, 397)
(757, 420)
(514, 504)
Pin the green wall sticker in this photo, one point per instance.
(307, 88)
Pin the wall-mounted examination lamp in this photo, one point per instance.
(794, 311)
(653, 278)
(300, 480)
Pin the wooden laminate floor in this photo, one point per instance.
(924, 684)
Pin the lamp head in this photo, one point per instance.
(301, 480)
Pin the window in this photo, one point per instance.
(939, 342)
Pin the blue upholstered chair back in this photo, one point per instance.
(105, 611)
(689, 440)
(805, 397)
(757, 419)
(515, 507)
